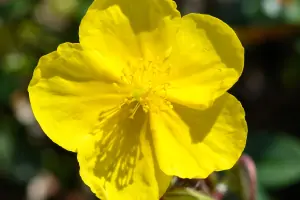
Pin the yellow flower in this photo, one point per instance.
(142, 97)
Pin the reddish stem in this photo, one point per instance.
(218, 195)
(249, 165)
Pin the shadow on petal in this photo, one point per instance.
(204, 119)
(119, 146)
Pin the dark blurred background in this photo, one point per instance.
(34, 168)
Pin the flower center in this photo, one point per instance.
(152, 99)
(147, 80)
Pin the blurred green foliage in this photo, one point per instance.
(268, 89)
(277, 158)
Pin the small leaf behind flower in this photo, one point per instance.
(185, 194)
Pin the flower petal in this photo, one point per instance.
(190, 143)
(112, 25)
(207, 59)
(69, 89)
(223, 38)
(117, 161)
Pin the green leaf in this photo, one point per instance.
(185, 194)
(261, 193)
(277, 158)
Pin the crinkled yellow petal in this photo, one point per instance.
(117, 161)
(191, 143)
(112, 25)
(157, 45)
(223, 38)
(207, 59)
(69, 89)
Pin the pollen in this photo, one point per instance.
(145, 80)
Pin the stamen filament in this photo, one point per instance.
(133, 111)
